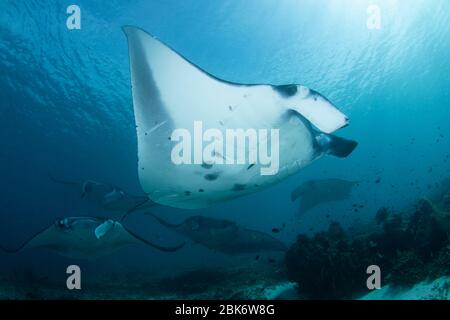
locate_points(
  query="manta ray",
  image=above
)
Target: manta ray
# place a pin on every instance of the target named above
(223, 235)
(85, 238)
(315, 192)
(169, 92)
(108, 197)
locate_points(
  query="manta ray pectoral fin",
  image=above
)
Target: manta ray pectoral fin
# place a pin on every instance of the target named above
(336, 146)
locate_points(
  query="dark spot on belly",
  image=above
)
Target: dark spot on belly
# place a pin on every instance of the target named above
(212, 176)
(206, 165)
(286, 90)
(238, 187)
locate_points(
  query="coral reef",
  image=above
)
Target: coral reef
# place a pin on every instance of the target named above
(408, 268)
(328, 265)
(408, 249)
(382, 215)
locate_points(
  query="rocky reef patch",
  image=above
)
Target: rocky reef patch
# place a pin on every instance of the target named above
(409, 248)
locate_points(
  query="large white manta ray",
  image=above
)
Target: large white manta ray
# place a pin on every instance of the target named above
(170, 92)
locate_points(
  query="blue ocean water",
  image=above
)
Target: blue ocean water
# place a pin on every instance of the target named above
(66, 109)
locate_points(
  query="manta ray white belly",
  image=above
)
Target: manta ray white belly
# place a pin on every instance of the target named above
(170, 93)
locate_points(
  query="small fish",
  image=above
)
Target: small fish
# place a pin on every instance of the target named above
(275, 230)
(378, 181)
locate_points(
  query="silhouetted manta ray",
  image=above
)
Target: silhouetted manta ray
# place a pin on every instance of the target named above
(315, 192)
(170, 93)
(85, 237)
(224, 235)
(108, 197)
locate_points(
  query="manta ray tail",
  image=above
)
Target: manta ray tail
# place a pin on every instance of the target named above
(70, 183)
(336, 146)
(163, 222)
(136, 207)
(23, 245)
(15, 250)
(156, 246)
(10, 250)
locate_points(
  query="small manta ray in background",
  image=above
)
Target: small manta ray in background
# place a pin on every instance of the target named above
(315, 192)
(86, 238)
(223, 235)
(109, 197)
